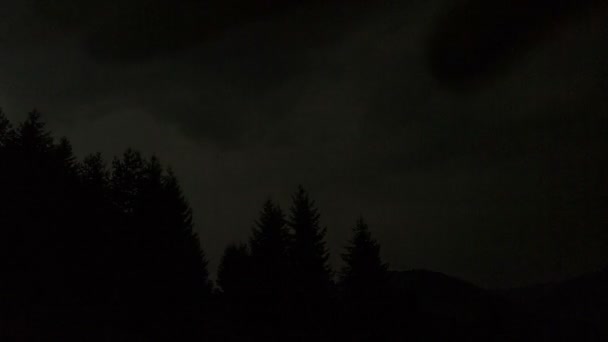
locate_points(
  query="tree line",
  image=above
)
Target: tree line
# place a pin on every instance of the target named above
(109, 252)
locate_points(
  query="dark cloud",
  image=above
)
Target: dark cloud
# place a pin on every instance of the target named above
(475, 39)
(119, 31)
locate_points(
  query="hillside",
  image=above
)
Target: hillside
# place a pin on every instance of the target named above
(436, 306)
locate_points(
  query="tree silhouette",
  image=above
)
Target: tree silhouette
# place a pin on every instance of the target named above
(165, 270)
(129, 267)
(270, 272)
(310, 273)
(269, 251)
(31, 135)
(191, 261)
(113, 251)
(308, 253)
(234, 271)
(94, 175)
(64, 154)
(126, 180)
(43, 236)
(6, 129)
(363, 273)
(9, 233)
(182, 260)
(37, 202)
(363, 281)
(104, 234)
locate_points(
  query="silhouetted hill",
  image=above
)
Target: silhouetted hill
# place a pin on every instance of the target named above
(435, 306)
(438, 293)
(440, 307)
(575, 309)
(427, 282)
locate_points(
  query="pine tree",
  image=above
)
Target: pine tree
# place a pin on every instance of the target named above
(6, 129)
(270, 299)
(164, 266)
(309, 255)
(126, 180)
(310, 273)
(234, 271)
(6, 161)
(192, 263)
(94, 174)
(103, 230)
(32, 136)
(363, 273)
(269, 251)
(38, 216)
(183, 286)
(32, 164)
(10, 236)
(128, 260)
(64, 155)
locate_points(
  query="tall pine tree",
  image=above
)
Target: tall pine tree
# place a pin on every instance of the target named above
(311, 275)
(164, 268)
(362, 279)
(40, 233)
(309, 255)
(269, 251)
(190, 261)
(363, 272)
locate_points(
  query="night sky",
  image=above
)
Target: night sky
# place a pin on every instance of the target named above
(472, 137)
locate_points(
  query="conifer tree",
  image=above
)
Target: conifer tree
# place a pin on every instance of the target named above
(64, 155)
(363, 272)
(269, 250)
(37, 214)
(309, 255)
(32, 136)
(191, 262)
(182, 280)
(167, 273)
(6, 135)
(94, 174)
(104, 231)
(6, 129)
(310, 273)
(129, 267)
(234, 271)
(126, 180)
(8, 233)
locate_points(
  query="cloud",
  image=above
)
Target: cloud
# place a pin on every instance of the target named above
(119, 32)
(476, 39)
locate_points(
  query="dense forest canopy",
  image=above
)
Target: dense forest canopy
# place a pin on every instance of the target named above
(113, 246)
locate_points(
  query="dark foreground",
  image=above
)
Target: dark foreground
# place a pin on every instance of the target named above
(417, 306)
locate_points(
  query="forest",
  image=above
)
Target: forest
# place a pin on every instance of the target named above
(97, 250)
